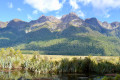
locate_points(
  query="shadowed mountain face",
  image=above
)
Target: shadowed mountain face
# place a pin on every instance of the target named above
(17, 24)
(95, 24)
(68, 35)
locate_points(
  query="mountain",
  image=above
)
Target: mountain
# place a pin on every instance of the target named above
(50, 22)
(3, 24)
(69, 35)
(106, 25)
(17, 24)
(44, 19)
(70, 19)
(96, 25)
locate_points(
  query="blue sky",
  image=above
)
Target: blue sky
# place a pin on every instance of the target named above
(26, 10)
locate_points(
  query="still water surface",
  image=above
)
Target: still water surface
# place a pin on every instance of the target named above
(25, 75)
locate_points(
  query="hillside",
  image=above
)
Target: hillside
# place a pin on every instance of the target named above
(69, 35)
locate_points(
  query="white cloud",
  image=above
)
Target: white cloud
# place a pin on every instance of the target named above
(85, 1)
(45, 5)
(35, 12)
(102, 4)
(58, 16)
(76, 7)
(10, 5)
(80, 14)
(29, 17)
(19, 9)
(107, 15)
(74, 4)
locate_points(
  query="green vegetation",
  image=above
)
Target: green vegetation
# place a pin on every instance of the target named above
(82, 44)
(10, 58)
(76, 65)
(107, 78)
(71, 41)
(117, 77)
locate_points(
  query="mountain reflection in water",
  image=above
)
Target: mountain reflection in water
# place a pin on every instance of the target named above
(25, 75)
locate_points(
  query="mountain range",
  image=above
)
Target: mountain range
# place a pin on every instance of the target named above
(69, 35)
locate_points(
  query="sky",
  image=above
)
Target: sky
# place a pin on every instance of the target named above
(26, 10)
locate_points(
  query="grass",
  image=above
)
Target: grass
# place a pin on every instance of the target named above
(55, 57)
(73, 64)
(60, 57)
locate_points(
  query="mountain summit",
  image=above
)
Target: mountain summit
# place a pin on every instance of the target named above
(69, 17)
(17, 24)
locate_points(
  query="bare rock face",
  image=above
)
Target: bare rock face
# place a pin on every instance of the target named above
(53, 19)
(3, 24)
(70, 19)
(106, 25)
(71, 16)
(115, 25)
(40, 20)
(110, 26)
(44, 19)
(76, 23)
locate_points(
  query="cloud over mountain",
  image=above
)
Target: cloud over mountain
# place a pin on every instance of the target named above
(45, 5)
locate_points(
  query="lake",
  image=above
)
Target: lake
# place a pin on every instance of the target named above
(25, 75)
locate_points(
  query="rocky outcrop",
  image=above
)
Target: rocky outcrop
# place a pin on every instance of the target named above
(3, 24)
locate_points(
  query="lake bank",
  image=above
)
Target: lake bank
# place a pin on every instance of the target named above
(11, 59)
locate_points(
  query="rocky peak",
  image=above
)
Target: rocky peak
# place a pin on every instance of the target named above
(53, 19)
(72, 13)
(106, 25)
(44, 19)
(3, 24)
(93, 21)
(105, 22)
(47, 18)
(17, 23)
(15, 20)
(115, 24)
(95, 24)
(69, 17)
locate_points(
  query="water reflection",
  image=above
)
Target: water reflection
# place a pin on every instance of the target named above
(25, 75)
